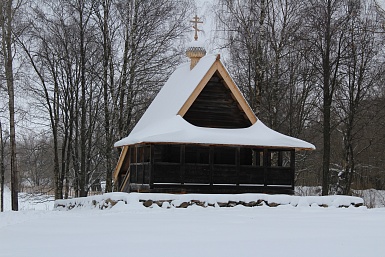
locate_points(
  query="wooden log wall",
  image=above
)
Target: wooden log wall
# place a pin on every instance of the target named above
(215, 107)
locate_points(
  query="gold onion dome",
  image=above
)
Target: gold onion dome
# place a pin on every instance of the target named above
(195, 52)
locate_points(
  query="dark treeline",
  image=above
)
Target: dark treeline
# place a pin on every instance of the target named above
(311, 69)
(88, 69)
(315, 70)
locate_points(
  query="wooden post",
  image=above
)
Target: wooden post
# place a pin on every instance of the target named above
(238, 163)
(141, 160)
(256, 157)
(182, 163)
(152, 163)
(130, 162)
(280, 158)
(136, 164)
(292, 167)
(266, 161)
(211, 160)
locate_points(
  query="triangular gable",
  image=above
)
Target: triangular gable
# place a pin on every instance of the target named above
(217, 69)
(216, 107)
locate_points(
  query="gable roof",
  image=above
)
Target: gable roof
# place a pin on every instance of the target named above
(217, 107)
(217, 66)
(163, 120)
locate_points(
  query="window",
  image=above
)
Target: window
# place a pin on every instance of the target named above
(252, 157)
(279, 158)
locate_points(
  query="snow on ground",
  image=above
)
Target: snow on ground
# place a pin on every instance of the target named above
(29, 201)
(372, 198)
(133, 230)
(206, 200)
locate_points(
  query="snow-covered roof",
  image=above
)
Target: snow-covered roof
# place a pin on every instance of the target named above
(161, 122)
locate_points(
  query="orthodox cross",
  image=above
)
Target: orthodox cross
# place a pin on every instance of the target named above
(196, 21)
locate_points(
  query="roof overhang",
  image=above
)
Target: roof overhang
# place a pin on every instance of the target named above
(178, 131)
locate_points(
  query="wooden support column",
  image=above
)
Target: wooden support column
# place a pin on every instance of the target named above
(127, 177)
(280, 158)
(182, 163)
(129, 162)
(266, 163)
(211, 160)
(152, 164)
(292, 167)
(140, 166)
(238, 163)
(135, 166)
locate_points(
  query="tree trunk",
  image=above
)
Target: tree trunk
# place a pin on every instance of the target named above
(6, 26)
(55, 123)
(106, 69)
(83, 107)
(2, 169)
(327, 101)
(326, 109)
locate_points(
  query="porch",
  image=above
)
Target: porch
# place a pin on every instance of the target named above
(207, 169)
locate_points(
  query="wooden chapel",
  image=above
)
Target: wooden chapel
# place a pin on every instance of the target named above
(199, 135)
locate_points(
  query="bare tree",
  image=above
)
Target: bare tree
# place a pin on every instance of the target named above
(2, 169)
(7, 14)
(244, 32)
(361, 69)
(103, 13)
(148, 46)
(263, 41)
(268, 62)
(36, 48)
(89, 59)
(288, 86)
(325, 27)
(310, 69)
(35, 161)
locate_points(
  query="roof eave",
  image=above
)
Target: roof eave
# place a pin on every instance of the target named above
(224, 144)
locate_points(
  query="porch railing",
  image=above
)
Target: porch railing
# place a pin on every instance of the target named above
(163, 174)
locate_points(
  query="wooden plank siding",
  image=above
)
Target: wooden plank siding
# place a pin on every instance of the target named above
(219, 173)
(216, 107)
(218, 70)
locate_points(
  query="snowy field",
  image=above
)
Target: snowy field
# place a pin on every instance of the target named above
(133, 230)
